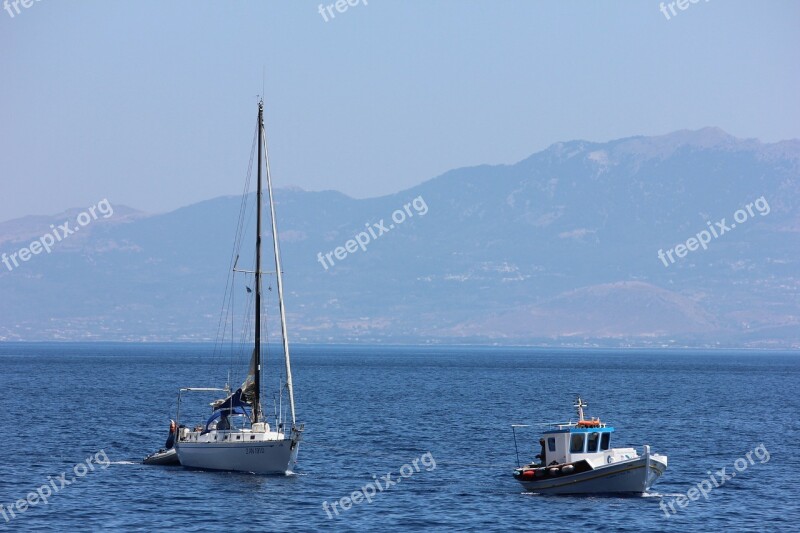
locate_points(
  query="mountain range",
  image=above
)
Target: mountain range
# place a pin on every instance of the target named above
(581, 244)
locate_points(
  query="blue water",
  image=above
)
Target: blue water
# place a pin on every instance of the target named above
(370, 410)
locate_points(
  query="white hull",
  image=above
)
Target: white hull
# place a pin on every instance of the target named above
(632, 476)
(259, 457)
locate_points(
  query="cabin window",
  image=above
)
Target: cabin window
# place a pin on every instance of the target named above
(551, 444)
(576, 445)
(604, 441)
(594, 440)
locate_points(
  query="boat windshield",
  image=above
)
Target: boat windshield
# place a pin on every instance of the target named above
(576, 445)
(225, 419)
(591, 445)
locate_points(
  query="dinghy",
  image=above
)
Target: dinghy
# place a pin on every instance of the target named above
(163, 457)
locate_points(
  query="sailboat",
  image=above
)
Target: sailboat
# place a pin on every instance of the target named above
(237, 436)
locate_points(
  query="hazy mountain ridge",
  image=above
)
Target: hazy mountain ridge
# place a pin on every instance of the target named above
(560, 248)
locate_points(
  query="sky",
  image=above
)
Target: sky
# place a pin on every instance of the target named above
(152, 104)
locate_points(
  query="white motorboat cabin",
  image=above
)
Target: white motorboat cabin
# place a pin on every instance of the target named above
(588, 440)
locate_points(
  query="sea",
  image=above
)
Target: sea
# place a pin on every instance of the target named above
(401, 438)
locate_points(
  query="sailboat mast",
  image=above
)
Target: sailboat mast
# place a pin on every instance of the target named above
(257, 353)
(279, 275)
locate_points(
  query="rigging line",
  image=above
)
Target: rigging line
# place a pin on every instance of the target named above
(237, 349)
(244, 221)
(278, 276)
(232, 313)
(269, 302)
(242, 207)
(246, 217)
(244, 335)
(227, 314)
(246, 327)
(280, 373)
(229, 317)
(245, 351)
(227, 311)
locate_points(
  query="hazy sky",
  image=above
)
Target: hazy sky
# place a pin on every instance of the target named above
(152, 103)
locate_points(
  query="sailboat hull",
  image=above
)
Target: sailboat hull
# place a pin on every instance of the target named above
(266, 457)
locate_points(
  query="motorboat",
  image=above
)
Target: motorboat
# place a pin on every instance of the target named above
(577, 458)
